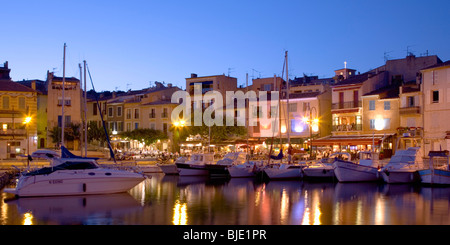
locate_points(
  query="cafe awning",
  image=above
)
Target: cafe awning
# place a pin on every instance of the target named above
(350, 139)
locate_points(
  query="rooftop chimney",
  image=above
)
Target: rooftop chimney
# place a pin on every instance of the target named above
(193, 75)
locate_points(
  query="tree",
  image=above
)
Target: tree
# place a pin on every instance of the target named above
(147, 135)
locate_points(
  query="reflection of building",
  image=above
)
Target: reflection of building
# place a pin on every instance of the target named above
(16, 103)
(436, 114)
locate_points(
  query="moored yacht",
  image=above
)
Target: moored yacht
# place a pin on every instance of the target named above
(366, 169)
(196, 164)
(403, 166)
(74, 176)
(324, 167)
(230, 159)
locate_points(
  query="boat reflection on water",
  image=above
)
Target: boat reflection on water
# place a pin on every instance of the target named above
(77, 210)
(202, 200)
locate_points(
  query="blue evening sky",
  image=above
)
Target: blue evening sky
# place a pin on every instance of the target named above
(129, 44)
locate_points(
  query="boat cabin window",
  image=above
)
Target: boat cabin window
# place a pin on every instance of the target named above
(77, 165)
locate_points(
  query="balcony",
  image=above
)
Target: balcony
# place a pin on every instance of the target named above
(13, 132)
(347, 127)
(410, 110)
(346, 105)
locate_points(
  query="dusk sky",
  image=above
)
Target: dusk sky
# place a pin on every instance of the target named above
(130, 44)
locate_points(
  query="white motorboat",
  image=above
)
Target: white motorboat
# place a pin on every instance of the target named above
(196, 164)
(170, 169)
(74, 176)
(324, 167)
(438, 172)
(230, 159)
(284, 171)
(366, 169)
(403, 166)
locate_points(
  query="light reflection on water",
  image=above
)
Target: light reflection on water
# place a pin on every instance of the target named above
(167, 200)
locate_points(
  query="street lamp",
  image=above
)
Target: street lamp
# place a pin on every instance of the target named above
(26, 122)
(313, 126)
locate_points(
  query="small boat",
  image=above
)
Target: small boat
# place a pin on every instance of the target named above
(403, 166)
(74, 176)
(196, 164)
(366, 169)
(230, 159)
(324, 167)
(284, 171)
(247, 169)
(439, 169)
(170, 169)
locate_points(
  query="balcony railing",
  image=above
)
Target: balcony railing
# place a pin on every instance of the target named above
(410, 110)
(346, 105)
(11, 132)
(347, 127)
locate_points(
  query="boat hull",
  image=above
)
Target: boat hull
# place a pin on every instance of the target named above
(170, 169)
(288, 173)
(350, 172)
(79, 182)
(319, 173)
(241, 171)
(217, 170)
(191, 169)
(400, 176)
(435, 176)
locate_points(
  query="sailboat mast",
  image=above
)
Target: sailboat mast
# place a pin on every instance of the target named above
(81, 111)
(85, 111)
(246, 123)
(63, 102)
(287, 109)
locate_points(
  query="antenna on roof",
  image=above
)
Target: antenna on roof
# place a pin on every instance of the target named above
(128, 84)
(229, 71)
(386, 56)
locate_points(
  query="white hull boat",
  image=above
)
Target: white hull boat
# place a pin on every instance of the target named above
(365, 170)
(196, 165)
(403, 166)
(75, 177)
(439, 171)
(248, 169)
(284, 171)
(323, 169)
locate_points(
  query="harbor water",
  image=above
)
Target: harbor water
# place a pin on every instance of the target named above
(175, 200)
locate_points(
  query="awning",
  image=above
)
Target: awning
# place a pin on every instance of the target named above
(350, 140)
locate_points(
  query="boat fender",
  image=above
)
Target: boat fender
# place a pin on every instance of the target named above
(84, 187)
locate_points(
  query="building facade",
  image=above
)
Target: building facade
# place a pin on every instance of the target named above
(18, 116)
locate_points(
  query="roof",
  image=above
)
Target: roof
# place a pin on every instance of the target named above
(40, 85)
(67, 79)
(385, 92)
(13, 86)
(447, 63)
(360, 78)
(161, 102)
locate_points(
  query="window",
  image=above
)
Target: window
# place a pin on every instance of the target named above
(165, 128)
(292, 107)
(119, 111)
(22, 103)
(152, 126)
(94, 109)
(410, 101)
(267, 87)
(372, 123)
(110, 112)
(435, 96)
(152, 113)
(372, 105)
(136, 113)
(305, 106)
(5, 102)
(128, 113)
(165, 114)
(128, 126)
(136, 125)
(387, 105)
(120, 126)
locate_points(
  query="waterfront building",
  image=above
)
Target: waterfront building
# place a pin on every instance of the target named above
(18, 115)
(72, 109)
(436, 104)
